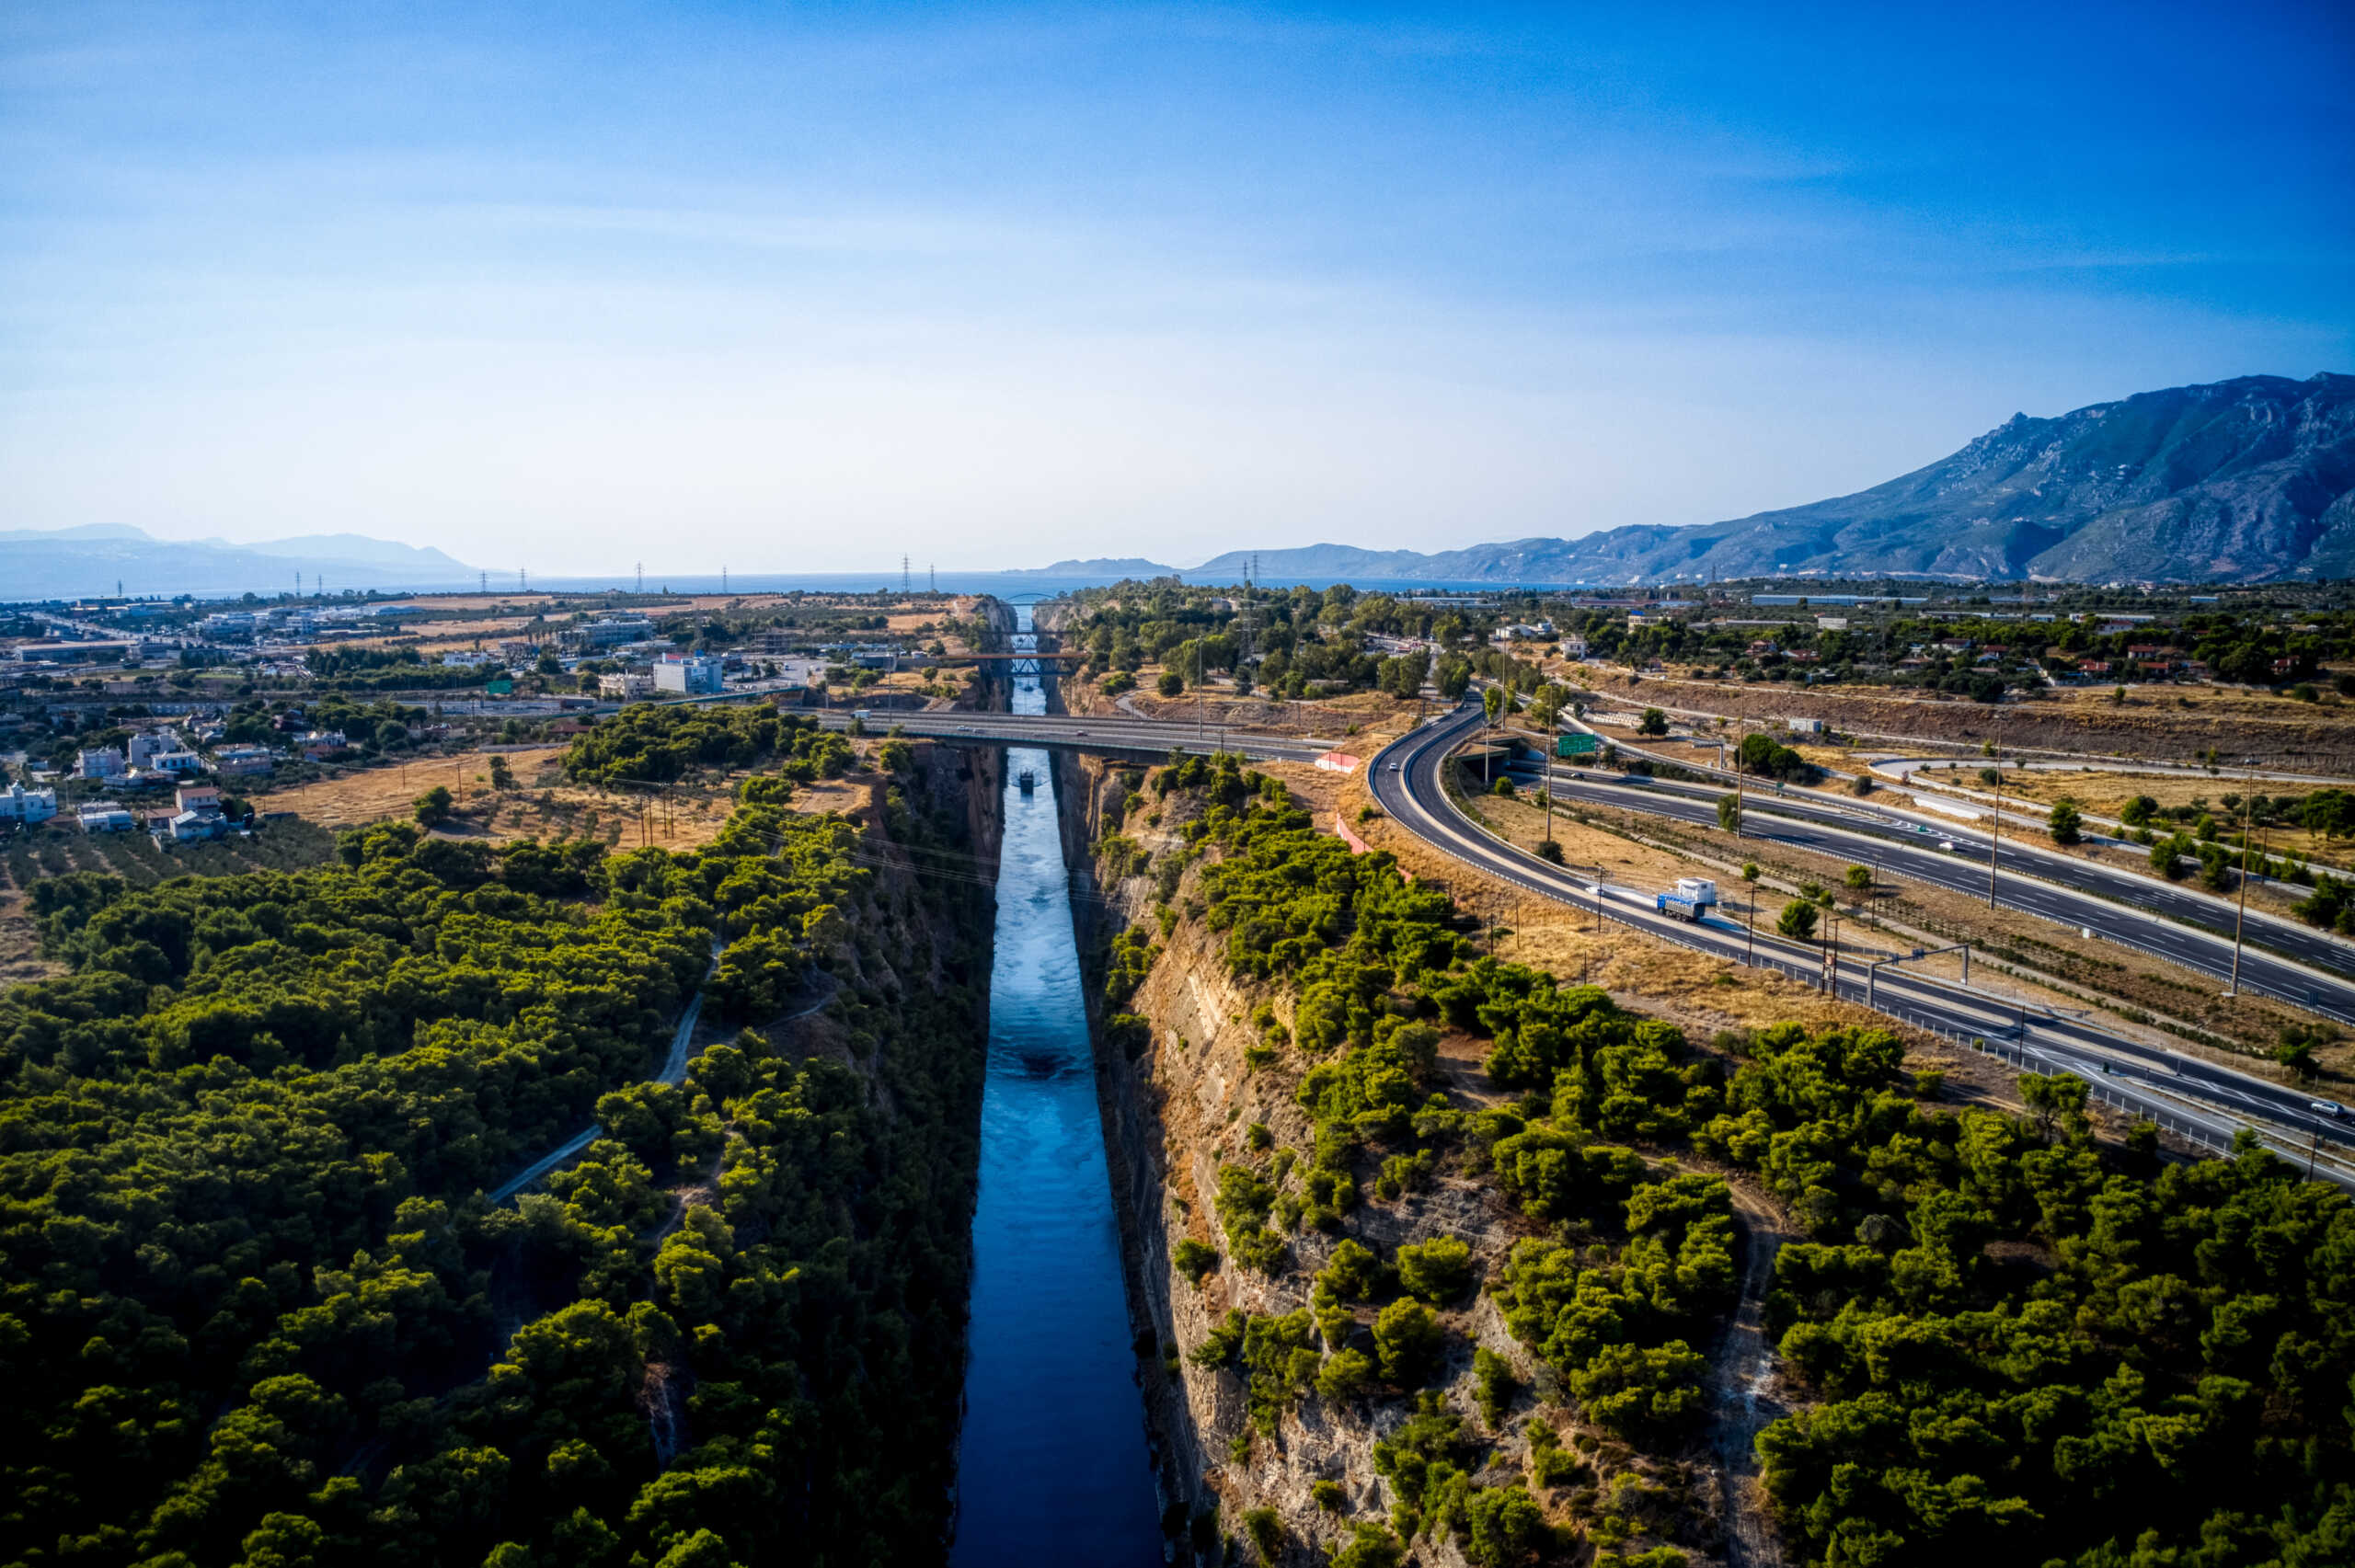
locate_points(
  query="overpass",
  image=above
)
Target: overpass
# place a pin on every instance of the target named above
(2187, 1095)
(1120, 736)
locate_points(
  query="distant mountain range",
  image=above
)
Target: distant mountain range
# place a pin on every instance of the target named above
(75, 562)
(2251, 480)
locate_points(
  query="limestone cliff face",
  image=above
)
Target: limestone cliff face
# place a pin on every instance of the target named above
(1176, 1107)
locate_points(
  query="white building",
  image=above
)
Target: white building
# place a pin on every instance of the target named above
(107, 816)
(238, 760)
(686, 673)
(179, 764)
(609, 630)
(190, 825)
(28, 806)
(106, 762)
(150, 744)
(625, 686)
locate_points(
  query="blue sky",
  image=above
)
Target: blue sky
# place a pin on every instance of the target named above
(570, 285)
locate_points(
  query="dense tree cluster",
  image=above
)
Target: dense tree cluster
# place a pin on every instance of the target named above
(2019, 1347)
(657, 743)
(255, 1308)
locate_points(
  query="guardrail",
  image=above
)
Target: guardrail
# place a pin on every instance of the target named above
(2018, 1052)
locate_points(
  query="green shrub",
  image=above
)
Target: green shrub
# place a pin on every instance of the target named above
(1437, 1271)
(1194, 1259)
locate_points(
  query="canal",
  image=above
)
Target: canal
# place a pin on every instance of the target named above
(1052, 1467)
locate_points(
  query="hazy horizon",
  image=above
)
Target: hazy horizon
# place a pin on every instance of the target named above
(804, 293)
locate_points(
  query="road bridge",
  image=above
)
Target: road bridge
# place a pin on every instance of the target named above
(1124, 737)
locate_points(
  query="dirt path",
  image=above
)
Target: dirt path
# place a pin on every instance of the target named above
(1741, 1392)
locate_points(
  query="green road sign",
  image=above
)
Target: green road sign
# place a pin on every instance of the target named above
(1575, 745)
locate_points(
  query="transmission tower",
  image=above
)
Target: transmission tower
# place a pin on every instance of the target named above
(723, 579)
(522, 581)
(932, 580)
(482, 582)
(641, 577)
(906, 582)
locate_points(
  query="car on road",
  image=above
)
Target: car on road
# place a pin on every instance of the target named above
(1946, 846)
(2330, 1108)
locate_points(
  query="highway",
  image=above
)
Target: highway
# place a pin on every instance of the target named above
(2182, 1092)
(2293, 965)
(2191, 1097)
(2278, 959)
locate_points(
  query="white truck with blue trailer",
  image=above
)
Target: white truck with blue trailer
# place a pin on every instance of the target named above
(1691, 898)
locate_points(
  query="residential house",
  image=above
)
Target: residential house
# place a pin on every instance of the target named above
(190, 826)
(28, 806)
(628, 686)
(321, 743)
(179, 764)
(240, 761)
(107, 816)
(150, 744)
(199, 797)
(106, 762)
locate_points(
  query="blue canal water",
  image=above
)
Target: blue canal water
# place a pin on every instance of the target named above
(1052, 1467)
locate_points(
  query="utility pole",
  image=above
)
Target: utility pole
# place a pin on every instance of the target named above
(2240, 911)
(1738, 738)
(1995, 840)
(1199, 726)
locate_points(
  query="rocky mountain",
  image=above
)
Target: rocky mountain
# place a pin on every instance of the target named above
(2249, 480)
(73, 562)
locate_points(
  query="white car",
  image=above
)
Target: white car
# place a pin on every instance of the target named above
(1946, 846)
(2330, 1108)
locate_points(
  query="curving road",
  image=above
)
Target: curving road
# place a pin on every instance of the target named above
(2195, 1098)
(2182, 1092)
